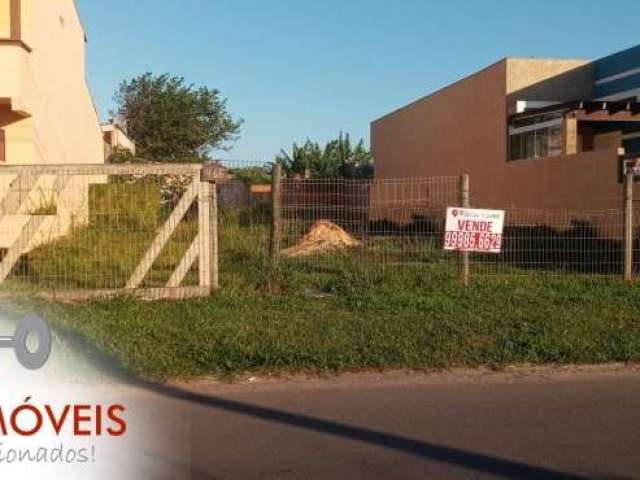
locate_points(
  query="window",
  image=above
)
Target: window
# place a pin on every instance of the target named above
(531, 144)
(535, 139)
(515, 147)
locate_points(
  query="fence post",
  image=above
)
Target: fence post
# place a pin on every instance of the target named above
(276, 215)
(628, 226)
(208, 230)
(464, 268)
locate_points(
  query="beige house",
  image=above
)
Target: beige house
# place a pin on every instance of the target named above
(47, 117)
(116, 140)
(46, 111)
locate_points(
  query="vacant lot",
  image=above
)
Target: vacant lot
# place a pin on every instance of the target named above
(395, 303)
(336, 321)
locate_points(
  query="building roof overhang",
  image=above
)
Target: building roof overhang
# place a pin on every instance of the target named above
(8, 103)
(589, 110)
(15, 43)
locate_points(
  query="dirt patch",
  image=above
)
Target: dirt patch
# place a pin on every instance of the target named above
(323, 236)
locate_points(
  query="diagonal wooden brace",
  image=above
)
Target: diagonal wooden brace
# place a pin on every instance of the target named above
(17, 193)
(185, 264)
(164, 235)
(29, 230)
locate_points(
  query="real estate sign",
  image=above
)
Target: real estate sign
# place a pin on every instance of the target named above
(474, 230)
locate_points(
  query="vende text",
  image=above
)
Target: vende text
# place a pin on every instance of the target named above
(474, 230)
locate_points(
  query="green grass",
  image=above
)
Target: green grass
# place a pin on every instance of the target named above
(103, 253)
(340, 312)
(414, 318)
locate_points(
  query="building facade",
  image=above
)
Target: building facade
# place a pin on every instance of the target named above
(617, 77)
(47, 115)
(116, 140)
(533, 133)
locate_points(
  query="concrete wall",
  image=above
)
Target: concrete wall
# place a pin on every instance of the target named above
(52, 118)
(586, 180)
(548, 80)
(459, 129)
(463, 129)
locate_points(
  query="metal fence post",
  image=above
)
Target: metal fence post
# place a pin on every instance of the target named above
(464, 268)
(208, 231)
(628, 226)
(276, 215)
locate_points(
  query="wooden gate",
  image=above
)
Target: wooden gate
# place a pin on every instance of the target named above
(21, 230)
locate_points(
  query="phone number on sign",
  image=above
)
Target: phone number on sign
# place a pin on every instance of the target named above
(472, 241)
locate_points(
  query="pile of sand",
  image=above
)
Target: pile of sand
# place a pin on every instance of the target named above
(323, 236)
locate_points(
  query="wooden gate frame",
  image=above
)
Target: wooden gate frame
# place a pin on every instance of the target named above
(204, 247)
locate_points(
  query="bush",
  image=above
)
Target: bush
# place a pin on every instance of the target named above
(253, 175)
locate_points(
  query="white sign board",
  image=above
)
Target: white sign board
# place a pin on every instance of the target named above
(474, 230)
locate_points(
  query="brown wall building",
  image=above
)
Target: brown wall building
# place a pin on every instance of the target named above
(532, 133)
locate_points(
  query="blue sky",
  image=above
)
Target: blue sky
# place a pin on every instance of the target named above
(294, 69)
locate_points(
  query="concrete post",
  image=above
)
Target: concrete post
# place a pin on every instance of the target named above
(208, 230)
(628, 226)
(464, 267)
(276, 216)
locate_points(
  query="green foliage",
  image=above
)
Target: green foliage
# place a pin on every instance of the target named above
(173, 121)
(123, 156)
(339, 158)
(253, 175)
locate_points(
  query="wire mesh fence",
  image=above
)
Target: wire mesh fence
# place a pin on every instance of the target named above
(390, 224)
(98, 228)
(165, 228)
(557, 242)
(373, 222)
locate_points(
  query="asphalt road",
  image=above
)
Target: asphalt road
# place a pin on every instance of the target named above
(521, 424)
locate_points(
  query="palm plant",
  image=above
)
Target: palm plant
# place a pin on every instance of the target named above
(338, 159)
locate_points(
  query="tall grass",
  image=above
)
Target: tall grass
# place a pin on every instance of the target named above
(103, 253)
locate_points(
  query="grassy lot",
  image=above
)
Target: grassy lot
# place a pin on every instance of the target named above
(104, 252)
(416, 318)
(339, 313)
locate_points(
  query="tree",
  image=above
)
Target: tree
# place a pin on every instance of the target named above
(172, 121)
(338, 159)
